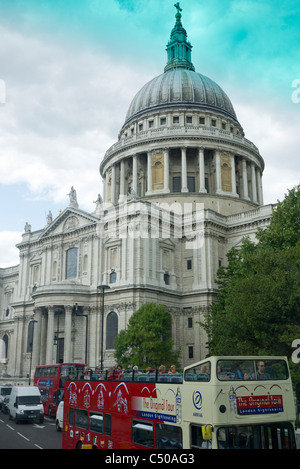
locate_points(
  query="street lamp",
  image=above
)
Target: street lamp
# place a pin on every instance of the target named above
(102, 287)
(86, 329)
(31, 346)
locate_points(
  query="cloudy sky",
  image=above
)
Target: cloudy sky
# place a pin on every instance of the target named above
(70, 68)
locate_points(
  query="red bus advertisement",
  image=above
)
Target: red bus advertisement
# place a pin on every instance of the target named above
(220, 402)
(50, 380)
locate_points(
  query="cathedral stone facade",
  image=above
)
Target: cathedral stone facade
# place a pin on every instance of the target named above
(181, 186)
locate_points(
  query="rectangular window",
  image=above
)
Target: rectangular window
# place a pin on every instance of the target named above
(189, 119)
(71, 419)
(142, 433)
(176, 120)
(107, 424)
(213, 122)
(191, 352)
(189, 264)
(202, 120)
(163, 121)
(191, 184)
(96, 422)
(264, 436)
(197, 441)
(177, 184)
(168, 436)
(150, 124)
(190, 323)
(71, 263)
(81, 418)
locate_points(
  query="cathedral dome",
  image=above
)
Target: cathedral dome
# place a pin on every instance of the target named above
(180, 86)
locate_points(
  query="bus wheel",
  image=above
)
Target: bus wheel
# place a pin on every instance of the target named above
(79, 445)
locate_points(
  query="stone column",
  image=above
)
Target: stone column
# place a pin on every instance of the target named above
(259, 187)
(134, 174)
(149, 173)
(68, 334)
(166, 170)
(218, 172)
(104, 184)
(245, 179)
(253, 183)
(184, 187)
(201, 170)
(36, 346)
(122, 181)
(50, 336)
(113, 185)
(233, 179)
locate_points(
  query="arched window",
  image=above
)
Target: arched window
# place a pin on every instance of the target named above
(4, 351)
(71, 263)
(113, 277)
(111, 329)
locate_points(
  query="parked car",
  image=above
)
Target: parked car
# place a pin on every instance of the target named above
(59, 416)
(4, 391)
(4, 405)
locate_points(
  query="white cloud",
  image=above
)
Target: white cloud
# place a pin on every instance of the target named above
(9, 254)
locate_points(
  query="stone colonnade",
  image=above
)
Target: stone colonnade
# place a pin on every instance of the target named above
(216, 172)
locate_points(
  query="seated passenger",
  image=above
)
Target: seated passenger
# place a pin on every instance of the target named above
(260, 373)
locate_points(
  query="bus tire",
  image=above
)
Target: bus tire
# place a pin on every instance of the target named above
(79, 445)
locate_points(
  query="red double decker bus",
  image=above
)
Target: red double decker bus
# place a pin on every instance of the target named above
(220, 402)
(50, 379)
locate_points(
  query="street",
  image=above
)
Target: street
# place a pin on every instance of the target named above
(29, 435)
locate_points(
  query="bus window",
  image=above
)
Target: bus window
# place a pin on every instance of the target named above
(168, 436)
(267, 436)
(248, 369)
(198, 373)
(71, 420)
(142, 433)
(107, 424)
(96, 422)
(81, 418)
(197, 441)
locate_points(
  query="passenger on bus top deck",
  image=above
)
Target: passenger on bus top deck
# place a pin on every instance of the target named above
(172, 369)
(161, 370)
(86, 373)
(206, 368)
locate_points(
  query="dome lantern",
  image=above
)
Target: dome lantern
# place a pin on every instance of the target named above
(179, 48)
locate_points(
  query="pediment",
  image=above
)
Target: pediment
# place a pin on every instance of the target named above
(69, 220)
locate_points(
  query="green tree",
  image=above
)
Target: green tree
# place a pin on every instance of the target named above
(147, 340)
(257, 310)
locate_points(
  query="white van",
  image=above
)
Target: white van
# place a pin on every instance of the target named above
(25, 403)
(59, 416)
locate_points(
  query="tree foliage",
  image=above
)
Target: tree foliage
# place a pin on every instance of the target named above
(257, 310)
(147, 340)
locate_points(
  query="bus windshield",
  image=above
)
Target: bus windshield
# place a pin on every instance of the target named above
(250, 369)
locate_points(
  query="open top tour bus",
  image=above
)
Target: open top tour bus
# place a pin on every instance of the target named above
(220, 402)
